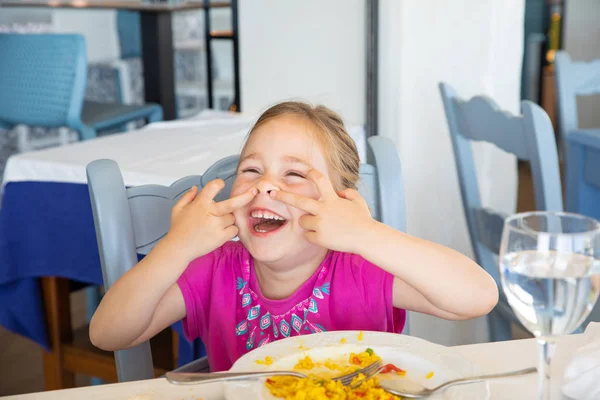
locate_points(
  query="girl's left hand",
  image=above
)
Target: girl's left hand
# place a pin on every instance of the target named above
(337, 220)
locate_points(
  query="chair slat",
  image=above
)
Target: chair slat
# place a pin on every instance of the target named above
(480, 119)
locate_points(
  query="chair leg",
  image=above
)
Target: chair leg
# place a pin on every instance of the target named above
(499, 327)
(23, 144)
(92, 300)
(156, 116)
(175, 347)
(86, 133)
(58, 318)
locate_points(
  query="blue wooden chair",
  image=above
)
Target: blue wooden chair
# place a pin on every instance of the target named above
(131, 221)
(582, 146)
(42, 83)
(528, 136)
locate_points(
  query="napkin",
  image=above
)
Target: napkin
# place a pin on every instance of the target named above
(582, 375)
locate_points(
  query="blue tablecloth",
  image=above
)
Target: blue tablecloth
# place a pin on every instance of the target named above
(47, 229)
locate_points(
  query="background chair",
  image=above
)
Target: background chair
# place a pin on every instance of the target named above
(528, 136)
(131, 221)
(581, 146)
(42, 81)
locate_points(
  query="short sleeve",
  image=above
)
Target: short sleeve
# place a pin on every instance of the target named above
(367, 295)
(196, 284)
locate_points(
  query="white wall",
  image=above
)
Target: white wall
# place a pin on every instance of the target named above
(582, 34)
(475, 46)
(97, 26)
(309, 49)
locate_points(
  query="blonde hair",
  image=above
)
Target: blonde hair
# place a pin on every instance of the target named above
(338, 146)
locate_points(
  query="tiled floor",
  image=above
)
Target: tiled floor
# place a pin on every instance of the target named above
(21, 360)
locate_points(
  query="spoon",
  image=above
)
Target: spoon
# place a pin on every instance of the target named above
(413, 390)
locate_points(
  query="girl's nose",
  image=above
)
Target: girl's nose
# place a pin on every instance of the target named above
(265, 186)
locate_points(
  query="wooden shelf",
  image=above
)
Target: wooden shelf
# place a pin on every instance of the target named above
(221, 34)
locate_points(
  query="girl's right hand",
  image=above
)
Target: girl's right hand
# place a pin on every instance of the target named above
(199, 225)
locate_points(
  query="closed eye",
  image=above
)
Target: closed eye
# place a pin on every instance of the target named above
(250, 170)
(296, 174)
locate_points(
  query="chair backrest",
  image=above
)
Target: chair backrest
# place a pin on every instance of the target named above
(130, 38)
(573, 79)
(528, 136)
(42, 79)
(131, 221)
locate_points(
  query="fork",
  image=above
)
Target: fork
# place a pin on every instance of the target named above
(190, 378)
(411, 390)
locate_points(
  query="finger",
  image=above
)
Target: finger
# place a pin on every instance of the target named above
(230, 232)
(227, 220)
(303, 203)
(308, 222)
(312, 237)
(211, 190)
(229, 205)
(186, 199)
(323, 184)
(353, 195)
(349, 194)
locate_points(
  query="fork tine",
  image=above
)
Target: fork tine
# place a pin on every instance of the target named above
(367, 371)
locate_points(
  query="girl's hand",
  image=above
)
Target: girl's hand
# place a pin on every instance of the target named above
(337, 220)
(199, 225)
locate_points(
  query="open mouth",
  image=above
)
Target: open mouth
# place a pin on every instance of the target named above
(265, 222)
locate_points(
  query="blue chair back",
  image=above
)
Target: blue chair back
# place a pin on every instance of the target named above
(42, 79)
(581, 146)
(528, 136)
(128, 29)
(573, 79)
(131, 221)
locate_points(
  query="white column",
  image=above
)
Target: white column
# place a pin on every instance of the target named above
(475, 46)
(311, 49)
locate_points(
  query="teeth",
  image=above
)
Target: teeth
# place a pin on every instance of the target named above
(266, 215)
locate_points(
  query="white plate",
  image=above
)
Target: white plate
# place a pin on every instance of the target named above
(417, 356)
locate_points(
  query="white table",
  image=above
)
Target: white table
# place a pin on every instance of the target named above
(160, 153)
(491, 357)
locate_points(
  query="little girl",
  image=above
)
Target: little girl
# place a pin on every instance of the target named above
(310, 258)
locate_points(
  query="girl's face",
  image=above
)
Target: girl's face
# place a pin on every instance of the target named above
(277, 156)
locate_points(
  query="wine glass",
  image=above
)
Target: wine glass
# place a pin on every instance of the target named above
(550, 273)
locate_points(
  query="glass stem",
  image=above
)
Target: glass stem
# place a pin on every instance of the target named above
(546, 352)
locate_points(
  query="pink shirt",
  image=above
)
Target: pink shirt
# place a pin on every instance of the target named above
(227, 310)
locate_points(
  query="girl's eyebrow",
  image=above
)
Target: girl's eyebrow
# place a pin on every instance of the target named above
(253, 156)
(288, 159)
(295, 160)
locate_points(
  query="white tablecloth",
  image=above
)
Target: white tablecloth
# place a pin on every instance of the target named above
(160, 153)
(491, 357)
